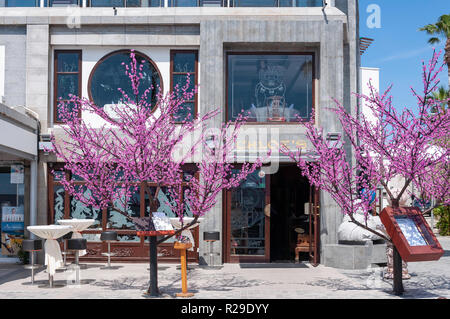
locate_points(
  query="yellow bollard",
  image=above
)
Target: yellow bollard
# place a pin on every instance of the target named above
(183, 247)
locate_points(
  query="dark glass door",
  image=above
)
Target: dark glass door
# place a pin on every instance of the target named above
(247, 227)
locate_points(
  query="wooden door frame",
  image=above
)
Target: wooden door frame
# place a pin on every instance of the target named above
(226, 230)
(314, 226)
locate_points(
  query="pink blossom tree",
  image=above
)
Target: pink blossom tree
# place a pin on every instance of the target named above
(137, 142)
(395, 144)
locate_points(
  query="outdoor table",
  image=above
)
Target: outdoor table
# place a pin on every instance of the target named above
(53, 257)
(187, 232)
(78, 226)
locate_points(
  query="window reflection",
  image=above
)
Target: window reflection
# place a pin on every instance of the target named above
(247, 217)
(58, 202)
(197, 3)
(184, 66)
(273, 88)
(78, 210)
(117, 220)
(109, 76)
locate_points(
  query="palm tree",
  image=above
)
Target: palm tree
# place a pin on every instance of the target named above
(440, 29)
(442, 95)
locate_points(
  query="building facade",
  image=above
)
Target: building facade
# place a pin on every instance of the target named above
(277, 59)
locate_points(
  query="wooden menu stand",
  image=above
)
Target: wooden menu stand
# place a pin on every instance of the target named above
(182, 247)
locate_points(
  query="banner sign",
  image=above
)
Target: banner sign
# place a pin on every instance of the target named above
(13, 220)
(17, 174)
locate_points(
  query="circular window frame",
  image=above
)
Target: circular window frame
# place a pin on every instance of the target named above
(138, 53)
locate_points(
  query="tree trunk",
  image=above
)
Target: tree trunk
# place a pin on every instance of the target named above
(397, 264)
(398, 273)
(153, 289)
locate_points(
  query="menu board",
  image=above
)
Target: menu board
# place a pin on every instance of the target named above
(161, 222)
(411, 231)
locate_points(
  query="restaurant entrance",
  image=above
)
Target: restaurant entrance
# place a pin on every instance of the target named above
(289, 194)
(272, 218)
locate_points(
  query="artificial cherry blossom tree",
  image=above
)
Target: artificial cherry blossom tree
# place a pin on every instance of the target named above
(136, 143)
(396, 144)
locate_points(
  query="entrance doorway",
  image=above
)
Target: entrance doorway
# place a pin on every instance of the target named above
(290, 195)
(272, 218)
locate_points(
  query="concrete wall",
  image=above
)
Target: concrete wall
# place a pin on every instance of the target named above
(13, 39)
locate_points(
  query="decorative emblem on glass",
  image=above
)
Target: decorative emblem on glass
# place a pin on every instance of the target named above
(273, 88)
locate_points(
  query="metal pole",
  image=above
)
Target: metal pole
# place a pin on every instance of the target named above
(65, 252)
(32, 267)
(77, 268)
(153, 289)
(109, 254)
(398, 275)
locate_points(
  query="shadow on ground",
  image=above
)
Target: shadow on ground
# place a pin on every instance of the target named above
(170, 284)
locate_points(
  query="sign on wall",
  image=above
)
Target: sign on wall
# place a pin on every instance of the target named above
(12, 220)
(12, 230)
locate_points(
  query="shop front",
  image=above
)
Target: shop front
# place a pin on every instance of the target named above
(18, 170)
(129, 247)
(272, 218)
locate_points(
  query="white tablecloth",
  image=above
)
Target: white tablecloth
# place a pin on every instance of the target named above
(187, 232)
(53, 257)
(78, 226)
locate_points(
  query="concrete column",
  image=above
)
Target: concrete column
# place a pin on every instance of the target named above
(211, 83)
(37, 98)
(37, 71)
(331, 86)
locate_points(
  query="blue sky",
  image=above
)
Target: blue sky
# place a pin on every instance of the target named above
(399, 48)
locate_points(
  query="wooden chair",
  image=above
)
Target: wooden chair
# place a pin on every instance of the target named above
(302, 243)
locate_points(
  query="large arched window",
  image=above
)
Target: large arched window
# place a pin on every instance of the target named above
(108, 76)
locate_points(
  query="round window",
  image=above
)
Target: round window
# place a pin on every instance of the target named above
(109, 75)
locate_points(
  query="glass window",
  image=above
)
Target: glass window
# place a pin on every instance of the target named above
(196, 3)
(277, 3)
(122, 3)
(155, 3)
(117, 220)
(67, 79)
(247, 217)
(22, 3)
(107, 3)
(109, 75)
(184, 64)
(272, 87)
(12, 209)
(256, 3)
(78, 210)
(58, 202)
(308, 3)
(61, 3)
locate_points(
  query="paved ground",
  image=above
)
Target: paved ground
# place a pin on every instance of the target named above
(272, 281)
